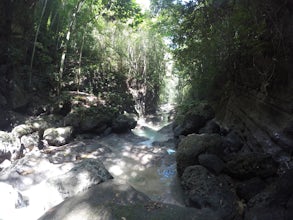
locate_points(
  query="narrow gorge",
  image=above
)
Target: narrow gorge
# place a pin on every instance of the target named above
(155, 109)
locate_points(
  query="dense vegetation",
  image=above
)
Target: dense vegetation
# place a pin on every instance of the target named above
(108, 48)
(117, 52)
(222, 45)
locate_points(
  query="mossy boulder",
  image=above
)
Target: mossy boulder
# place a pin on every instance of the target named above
(195, 144)
(94, 119)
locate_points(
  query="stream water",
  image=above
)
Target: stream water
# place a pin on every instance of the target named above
(145, 159)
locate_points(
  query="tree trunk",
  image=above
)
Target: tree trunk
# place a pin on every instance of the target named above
(78, 76)
(76, 10)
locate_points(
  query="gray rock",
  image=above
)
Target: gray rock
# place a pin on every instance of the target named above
(123, 123)
(212, 162)
(32, 169)
(195, 119)
(193, 145)
(58, 136)
(112, 200)
(205, 190)
(82, 176)
(89, 120)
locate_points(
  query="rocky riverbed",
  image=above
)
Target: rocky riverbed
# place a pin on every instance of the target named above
(142, 162)
(194, 168)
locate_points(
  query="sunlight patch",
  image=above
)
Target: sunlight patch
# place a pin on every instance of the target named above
(116, 170)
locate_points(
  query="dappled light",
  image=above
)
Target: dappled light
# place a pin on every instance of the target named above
(146, 109)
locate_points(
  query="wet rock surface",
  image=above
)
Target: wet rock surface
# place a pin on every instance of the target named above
(235, 177)
(221, 176)
(192, 146)
(113, 200)
(144, 159)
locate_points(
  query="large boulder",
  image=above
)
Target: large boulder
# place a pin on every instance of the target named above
(195, 119)
(89, 120)
(113, 200)
(123, 123)
(205, 190)
(195, 144)
(58, 136)
(246, 166)
(82, 176)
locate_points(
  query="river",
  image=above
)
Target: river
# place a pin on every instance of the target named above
(145, 159)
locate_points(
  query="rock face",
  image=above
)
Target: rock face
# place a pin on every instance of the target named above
(58, 136)
(113, 200)
(263, 120)
(193, 145)
(234, 173)
(204, 190)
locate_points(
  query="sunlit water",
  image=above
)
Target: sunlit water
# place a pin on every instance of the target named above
(144, 158)
(148, 164)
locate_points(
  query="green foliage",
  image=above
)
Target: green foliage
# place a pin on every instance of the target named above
(216, 43)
